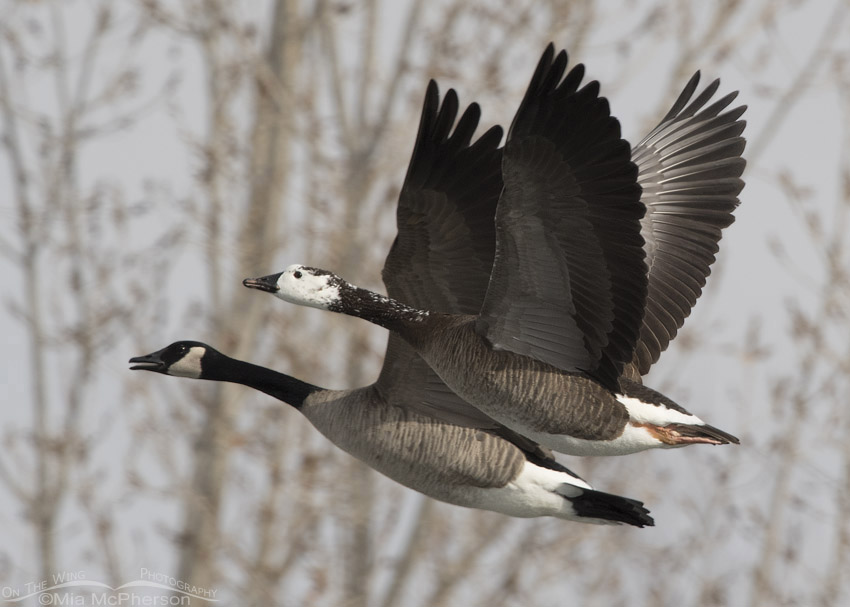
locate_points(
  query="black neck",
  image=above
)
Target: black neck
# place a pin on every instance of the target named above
(279, 385)
(382, 311)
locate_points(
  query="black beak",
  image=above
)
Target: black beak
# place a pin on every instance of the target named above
(264, 283)
(149, 362)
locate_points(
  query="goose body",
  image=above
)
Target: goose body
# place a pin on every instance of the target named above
(597, 254)
(566, 411)
(460, 465)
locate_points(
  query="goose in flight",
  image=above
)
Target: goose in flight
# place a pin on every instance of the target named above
(600, 254)
(408, 425)
(487, 469)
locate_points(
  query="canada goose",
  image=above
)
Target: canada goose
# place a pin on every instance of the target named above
(588, 286)
(408, 424)
(452, 463)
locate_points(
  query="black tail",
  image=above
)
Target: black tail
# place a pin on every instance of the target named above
(610, 507)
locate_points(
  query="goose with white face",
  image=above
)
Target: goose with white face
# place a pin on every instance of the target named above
(301, 285)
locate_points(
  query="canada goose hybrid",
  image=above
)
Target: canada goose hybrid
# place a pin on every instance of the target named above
(600, 254)
(408, 425)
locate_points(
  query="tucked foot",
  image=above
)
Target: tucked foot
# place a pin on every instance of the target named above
(654, 417)
(679, 435)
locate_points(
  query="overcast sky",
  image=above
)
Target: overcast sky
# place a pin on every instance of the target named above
(751, 283)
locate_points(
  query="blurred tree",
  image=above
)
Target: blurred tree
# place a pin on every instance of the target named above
(294, 121)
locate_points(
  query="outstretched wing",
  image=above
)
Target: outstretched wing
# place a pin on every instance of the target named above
(690, 170)
(442, 255)
(569, 280)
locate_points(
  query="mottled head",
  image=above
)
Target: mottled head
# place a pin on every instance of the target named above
(181, 359)
(302, 285)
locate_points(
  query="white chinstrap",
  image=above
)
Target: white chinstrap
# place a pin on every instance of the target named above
(190, 365)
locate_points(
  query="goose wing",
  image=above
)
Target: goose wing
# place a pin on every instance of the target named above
(406, 380)
(441, 257)
(569, 279)
(690, 170)
(443, 253)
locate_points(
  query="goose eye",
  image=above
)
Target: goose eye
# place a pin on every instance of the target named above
(297, 274)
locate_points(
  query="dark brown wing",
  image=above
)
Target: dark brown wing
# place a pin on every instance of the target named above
(690, 170)
(569, 280)
(442, 255)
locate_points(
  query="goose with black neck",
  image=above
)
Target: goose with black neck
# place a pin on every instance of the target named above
(488, 469)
